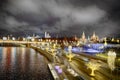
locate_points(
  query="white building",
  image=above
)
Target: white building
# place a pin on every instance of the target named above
(47, 35)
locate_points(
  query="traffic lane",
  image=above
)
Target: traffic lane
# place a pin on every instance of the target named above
(98, 73)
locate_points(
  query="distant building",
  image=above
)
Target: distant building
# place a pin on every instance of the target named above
(4, 38)
(94, 38)
(83, 38)
(47, 35)
(13, 38)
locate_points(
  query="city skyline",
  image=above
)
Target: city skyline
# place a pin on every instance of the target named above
(59, 17)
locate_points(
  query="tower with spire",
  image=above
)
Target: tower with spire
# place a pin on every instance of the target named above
(94, 37)
(83, 38)
(75, 38)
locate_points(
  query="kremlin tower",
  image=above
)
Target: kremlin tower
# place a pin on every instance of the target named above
(94, 38)
(83, 38)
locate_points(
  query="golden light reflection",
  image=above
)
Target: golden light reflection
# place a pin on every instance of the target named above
(4, 55)
(13, 55)
(23, 51)
(8, 58)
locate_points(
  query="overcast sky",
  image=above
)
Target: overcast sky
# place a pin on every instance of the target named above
(63, 17)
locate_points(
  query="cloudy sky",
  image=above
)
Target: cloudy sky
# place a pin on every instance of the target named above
(62, 17)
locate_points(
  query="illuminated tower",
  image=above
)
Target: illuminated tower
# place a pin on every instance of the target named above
(94, 37)
(88, 38)
(83, 36)
(75, 38)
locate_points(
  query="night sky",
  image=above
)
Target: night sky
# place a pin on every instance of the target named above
(61, 17)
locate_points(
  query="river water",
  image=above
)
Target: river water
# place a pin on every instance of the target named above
(18, 63)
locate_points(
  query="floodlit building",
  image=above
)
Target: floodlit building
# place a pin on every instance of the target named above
(83, 38)
(47, 35)
(94, 38)
(4, 38)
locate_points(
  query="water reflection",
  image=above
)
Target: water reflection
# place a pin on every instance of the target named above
(19, 63)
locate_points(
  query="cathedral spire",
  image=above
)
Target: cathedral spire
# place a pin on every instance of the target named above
(83, 35)
(94, 35)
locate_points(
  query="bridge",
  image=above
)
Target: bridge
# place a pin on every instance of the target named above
(18, 42)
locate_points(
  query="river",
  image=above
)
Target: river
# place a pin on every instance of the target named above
(18, 63)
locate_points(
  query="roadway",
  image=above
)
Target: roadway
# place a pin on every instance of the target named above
(102, 73)
(78, 64)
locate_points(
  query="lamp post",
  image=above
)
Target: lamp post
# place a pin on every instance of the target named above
(118, 40)
(70, 55)
(43, 44)
(47, 48)
(105, 43)
(53, 52)
(112, 40)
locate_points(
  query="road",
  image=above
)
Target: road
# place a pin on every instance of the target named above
(102, 73)
(78, 64)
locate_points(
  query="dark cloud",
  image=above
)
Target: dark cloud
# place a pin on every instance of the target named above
(64, 17)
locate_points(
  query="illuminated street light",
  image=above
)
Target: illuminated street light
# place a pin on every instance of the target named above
(56, 41)
(13, 38)
(69, 49)
(43, 43)
(52, 50)
(105, 43)
(53, 54)
(54, 46)
(47, 48)
(118, 41)
(112, 39)
(70, 55)
(33, 39)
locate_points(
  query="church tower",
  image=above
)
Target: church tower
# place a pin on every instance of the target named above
(94, 37)
(83, 36)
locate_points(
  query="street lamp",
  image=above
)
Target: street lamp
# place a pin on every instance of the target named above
(53, 54)
(42, 45)
(112, 40)
(118, 41)
(70, 55)
(105, 43)
(47, 48)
